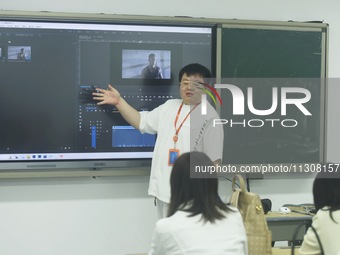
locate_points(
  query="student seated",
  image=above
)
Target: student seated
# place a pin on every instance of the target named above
(198, 221)
(326, 222)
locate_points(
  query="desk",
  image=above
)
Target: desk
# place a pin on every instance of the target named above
(284, 251)
(284, 225)
(276, 251)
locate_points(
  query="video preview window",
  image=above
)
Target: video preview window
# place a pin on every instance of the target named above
(146, 64)
(19, 53)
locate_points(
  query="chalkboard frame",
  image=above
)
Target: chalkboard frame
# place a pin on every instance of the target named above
(300, 27)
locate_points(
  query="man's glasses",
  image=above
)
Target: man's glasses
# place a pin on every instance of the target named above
(194, 85)
(206, 88)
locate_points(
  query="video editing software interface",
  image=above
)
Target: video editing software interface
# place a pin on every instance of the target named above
(50, 69)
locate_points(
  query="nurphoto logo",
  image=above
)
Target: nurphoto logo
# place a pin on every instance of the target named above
(238, 98)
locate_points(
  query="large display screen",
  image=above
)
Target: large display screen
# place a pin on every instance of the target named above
(49, 68)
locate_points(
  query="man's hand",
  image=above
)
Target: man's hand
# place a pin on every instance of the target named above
(107, 96)
(111, 96)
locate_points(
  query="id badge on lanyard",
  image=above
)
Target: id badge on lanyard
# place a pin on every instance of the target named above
(174, 153)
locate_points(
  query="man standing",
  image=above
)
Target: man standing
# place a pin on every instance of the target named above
(179, 125)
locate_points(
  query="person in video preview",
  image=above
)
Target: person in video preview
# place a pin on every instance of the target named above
(152, 71)
(199, 222)
(326, 222)
(179, 125)
(21, 55)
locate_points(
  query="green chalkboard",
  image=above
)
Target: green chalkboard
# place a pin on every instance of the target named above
(263, 59)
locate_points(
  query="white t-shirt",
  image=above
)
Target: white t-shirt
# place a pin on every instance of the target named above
(328, 232)
(197, 133)
(179, 234)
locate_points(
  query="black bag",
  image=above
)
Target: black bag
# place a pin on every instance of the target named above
(266, 205)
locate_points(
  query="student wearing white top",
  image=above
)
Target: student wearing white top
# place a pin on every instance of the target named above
(176, 118)
(326, 222)
(199, 222)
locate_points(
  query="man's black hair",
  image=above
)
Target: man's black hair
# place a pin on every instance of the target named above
(195, 69)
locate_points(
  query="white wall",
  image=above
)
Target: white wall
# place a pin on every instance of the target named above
(113, 215)
(75, 216)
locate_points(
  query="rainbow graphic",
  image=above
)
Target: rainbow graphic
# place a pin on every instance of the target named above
(211, 91)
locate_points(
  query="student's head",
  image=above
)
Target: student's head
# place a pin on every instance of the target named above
(326, 190)
(195, 195)
(188, 75)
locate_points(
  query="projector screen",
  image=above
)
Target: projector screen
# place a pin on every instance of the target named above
(49, 68)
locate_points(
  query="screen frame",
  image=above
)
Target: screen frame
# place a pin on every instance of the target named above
(87, 166)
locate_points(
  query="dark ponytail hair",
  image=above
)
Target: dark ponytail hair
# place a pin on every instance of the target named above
(195, 195)
(326, 190)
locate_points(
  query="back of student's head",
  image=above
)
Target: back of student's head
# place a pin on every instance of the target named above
(326, 190)
(195, 195)
(195, 69)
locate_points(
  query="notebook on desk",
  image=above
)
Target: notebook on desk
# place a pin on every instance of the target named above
(308, 209)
